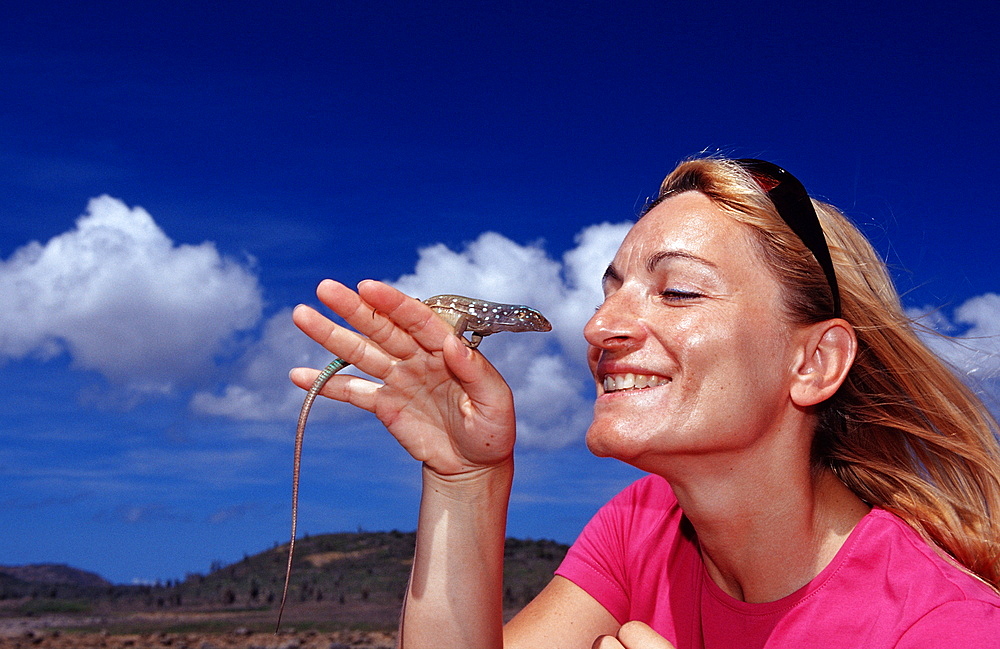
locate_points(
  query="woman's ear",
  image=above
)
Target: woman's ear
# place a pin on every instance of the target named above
(827, 353)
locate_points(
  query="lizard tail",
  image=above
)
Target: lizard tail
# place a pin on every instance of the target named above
(300, 431)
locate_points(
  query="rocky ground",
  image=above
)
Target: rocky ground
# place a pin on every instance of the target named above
(236, 639)
(178, 631)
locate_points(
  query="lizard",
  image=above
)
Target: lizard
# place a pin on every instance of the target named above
(480, 318)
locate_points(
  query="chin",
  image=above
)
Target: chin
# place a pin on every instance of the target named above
(615, 441)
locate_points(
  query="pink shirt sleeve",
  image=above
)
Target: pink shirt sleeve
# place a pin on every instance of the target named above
(623, 555)
(596, 561)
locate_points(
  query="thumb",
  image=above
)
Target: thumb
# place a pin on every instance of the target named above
(463, 362)
(478, 376)
(484, 386)
(638, 635)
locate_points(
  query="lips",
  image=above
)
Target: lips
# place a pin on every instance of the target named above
(632, 381)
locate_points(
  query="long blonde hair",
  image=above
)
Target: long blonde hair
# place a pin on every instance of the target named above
(903, 432)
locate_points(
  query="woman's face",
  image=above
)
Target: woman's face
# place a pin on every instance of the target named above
(689, 350)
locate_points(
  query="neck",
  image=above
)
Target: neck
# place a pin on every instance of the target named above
(766, 527)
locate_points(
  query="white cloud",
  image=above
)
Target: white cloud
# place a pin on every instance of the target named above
(970, 344)
(262, 391)
(973, 347)
(547, 372)
(122, 299)
(583, 268)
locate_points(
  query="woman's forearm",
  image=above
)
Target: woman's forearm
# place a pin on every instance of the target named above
(455, 595)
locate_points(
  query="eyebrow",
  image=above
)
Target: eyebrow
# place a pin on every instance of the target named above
(654, 261)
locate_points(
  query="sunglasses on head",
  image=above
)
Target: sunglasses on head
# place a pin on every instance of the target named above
(794, 207)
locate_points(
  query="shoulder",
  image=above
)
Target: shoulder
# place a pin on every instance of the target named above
(648, 491)
(962, 623)
(913, 567)
(645, 504)
(888, 588)
(929, 599)
(638, 515)
(633, 537)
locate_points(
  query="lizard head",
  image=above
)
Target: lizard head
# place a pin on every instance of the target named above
(524, 318)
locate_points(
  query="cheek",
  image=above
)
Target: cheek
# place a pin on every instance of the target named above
(741, 361)
(758, 367)
(696, 346)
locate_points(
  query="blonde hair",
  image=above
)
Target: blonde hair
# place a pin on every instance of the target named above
(903, 432)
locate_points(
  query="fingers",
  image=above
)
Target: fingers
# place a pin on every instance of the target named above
(606, 642)
(633, 635)
(409, 314)
(342, 387)
(442, 401)
(396, 322)
(392, 325)
(364, 318)
(341, 342)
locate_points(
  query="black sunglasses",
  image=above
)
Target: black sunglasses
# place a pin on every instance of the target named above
(794, 207)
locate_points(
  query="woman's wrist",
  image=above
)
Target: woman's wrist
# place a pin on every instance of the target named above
(473, 485)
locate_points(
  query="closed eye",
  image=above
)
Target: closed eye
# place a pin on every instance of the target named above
(672, 295)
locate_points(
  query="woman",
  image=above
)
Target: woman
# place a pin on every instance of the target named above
(817, 476)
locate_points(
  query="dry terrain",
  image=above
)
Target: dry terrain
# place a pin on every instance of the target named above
(346, 593)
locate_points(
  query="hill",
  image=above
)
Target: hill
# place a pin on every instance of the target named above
(48, 579)
(353, 580)
(364, 570)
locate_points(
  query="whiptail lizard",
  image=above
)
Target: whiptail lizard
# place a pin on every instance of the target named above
(478, 317)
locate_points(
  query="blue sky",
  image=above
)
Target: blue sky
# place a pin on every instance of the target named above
(175, 177)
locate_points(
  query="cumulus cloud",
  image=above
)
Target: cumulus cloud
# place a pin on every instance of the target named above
(972, 341)
(262, 391)
(547, 372)
(121, 298)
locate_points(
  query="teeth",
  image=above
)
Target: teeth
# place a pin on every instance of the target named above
(616, 382)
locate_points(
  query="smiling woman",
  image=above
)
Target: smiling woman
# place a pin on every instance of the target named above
(815, 472)
(686, 305)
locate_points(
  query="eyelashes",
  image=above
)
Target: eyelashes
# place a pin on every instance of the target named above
(674, 295)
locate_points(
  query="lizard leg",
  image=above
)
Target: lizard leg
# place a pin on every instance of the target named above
(459, 322)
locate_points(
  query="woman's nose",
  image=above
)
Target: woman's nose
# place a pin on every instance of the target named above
(615, 326)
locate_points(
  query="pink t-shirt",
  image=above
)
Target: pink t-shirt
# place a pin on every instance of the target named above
(639, 558)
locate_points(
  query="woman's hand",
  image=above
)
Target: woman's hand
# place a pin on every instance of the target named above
(444, 403)
(633, 635)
